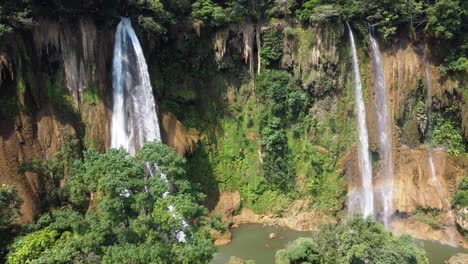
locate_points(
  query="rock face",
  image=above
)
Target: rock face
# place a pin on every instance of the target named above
(413, 180)
(63, 69)
(177, 136)
(298, 217)
(461, 217)
(459, 258)
(221, 238)
(421, 230)
(227, 205)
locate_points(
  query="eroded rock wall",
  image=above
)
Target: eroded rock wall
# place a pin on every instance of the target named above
(58, 74)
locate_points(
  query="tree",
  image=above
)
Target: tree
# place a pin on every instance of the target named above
(444, 18)
(9, 206)
(121, 212)
(9, 212)
(461, 195)
(353, 240)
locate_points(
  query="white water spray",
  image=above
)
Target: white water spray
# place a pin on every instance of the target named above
(134, 118)
(385, 132)
(367, 195)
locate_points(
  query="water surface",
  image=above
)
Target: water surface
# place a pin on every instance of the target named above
(251, 241)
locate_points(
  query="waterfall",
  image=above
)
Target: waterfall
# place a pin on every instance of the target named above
(435, 181)
(384, 131)
(134, 117)
(367, 195)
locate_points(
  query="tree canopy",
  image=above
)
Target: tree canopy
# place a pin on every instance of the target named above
(353, 240)
(119, 213)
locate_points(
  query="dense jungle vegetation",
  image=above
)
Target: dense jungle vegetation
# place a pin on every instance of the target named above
(112, 211)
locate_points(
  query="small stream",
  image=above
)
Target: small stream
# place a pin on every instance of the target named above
(251, 241)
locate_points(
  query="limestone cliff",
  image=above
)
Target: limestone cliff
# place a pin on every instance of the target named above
(59, 73)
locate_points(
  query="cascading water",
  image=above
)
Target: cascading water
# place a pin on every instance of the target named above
(134, 118)
(366, 197)
(384, 130)
(435, 181)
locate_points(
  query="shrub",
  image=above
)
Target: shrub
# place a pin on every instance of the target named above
(272, 47)
(461, 195)
(353, 240)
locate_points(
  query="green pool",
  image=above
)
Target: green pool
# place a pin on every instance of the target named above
(251, 241)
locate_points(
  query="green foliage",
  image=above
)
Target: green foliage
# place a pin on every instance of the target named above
(120, 212)
(447, 135)
(301, 250)
(207, 11)
(52, 171)
(429, 216)
(272, 47)
(444, 18)
(282, 8)
(91, 95)
(282, 99)
(9, 206)
(62, 100)
(307, 10)
(28, 249)
(353, 240)
(277, 166)
(216, 222)
(15, 14)
(461, 195)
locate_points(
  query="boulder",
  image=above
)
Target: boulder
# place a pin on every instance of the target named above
(461, 217)
(227, 205)
(459, 258)
(221, 238)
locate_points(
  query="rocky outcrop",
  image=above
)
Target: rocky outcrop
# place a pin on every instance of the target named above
(423, 231)
(177, 136)
(59, 74)
(459, 258)
(298, 217)
(461, 218)
(221, 238)
(236, 260)
(227, 206)
(414, 187)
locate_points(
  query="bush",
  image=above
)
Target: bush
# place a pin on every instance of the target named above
(445, 134)
(428, 216)
(272, 47)
(353, 240)
(461, 195)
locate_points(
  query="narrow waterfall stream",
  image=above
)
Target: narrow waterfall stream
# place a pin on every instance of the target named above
(366, 196)
(384, 132)
(134, 117)
(435, 180)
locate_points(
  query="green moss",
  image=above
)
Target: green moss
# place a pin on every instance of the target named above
(431, 217)
(62, 100)
(91, 95)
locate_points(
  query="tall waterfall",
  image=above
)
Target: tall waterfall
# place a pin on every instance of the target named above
(134, 118)
(435, 181)
(384, 131)
(367, 194)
